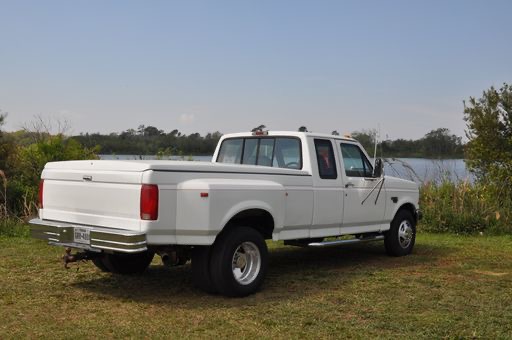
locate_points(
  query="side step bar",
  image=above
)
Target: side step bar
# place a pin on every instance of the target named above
(339, 242)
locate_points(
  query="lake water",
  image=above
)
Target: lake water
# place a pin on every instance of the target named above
(416, 169)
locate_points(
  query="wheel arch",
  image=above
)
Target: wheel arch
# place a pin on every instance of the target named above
(257, 218)
(408, 206)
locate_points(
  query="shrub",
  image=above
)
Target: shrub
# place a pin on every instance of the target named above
(25, 164)
(465, 208)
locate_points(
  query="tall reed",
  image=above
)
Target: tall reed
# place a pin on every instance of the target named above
(464, 207)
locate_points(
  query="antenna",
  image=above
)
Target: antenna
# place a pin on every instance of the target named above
(375, 150)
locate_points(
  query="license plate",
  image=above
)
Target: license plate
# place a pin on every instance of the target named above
(82, 235)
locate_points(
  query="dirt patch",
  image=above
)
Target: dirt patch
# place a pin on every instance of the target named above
(489, 273)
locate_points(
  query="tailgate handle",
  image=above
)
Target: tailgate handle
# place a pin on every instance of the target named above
(87, 178)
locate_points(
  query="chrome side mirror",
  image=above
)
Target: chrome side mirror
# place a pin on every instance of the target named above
(379, 166)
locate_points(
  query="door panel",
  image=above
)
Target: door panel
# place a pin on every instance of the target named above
(328, 212)
(364, 203)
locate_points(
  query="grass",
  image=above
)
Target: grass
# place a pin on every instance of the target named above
(13, 227)
(451, 286)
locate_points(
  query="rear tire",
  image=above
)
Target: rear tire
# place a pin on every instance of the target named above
(201, 277)
(239, 262)
(401, 236)
(128, 263)
(98, 262)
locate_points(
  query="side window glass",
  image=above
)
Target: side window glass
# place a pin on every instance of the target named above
(368, 168)
(325, 159)
(266, 152)
(355, 162)
(288, 153)
(250, 151)
(230, 151)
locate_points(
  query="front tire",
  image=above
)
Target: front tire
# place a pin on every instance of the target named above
(128, 263)
(401, 236)
(239, 262)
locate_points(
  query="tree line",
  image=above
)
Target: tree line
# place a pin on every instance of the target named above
(149, 140)
(437, 144)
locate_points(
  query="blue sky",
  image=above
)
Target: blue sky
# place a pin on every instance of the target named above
(203, 66)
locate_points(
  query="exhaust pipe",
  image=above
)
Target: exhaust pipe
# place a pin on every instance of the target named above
(172, 258)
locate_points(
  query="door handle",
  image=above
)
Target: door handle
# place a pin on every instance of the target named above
(349, 184)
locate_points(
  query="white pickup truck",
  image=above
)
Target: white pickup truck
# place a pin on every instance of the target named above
(307, 189)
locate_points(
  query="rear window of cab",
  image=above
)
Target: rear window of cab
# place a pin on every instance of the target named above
(277, 152)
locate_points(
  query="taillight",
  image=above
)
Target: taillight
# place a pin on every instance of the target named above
(149, 202)
(40, 194)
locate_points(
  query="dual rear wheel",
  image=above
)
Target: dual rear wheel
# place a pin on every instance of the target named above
(235, 265)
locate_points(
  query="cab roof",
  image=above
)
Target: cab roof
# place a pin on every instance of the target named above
(287, 133)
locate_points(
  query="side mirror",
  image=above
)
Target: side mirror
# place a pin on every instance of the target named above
(379, 166)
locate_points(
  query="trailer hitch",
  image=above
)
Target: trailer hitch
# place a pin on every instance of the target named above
(70, 258)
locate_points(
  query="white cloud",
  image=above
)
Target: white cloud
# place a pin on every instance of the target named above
(187, 118)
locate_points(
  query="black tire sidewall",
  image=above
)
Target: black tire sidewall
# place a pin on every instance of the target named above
(391, 242)
(222, 255)
(99, 262)
(201, 277)
(128, 263)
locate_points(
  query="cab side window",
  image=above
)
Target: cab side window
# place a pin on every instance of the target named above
(231, 151)
(355, 162)
(325, 159)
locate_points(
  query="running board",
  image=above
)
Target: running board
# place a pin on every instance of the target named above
(339, 242)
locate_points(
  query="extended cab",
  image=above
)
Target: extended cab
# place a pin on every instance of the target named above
(292, 186)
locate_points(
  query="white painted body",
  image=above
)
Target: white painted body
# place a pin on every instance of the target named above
(302, 205)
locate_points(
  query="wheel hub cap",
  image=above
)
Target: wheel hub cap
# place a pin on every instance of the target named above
(246, 263)
(405, 234)
(241, 261)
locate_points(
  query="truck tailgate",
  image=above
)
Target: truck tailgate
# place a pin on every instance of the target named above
(92, 197)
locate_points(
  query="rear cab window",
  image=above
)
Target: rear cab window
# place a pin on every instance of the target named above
(278, 152)
(325, 158)
(231, 151)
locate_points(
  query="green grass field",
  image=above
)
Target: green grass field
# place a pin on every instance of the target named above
(451, 286)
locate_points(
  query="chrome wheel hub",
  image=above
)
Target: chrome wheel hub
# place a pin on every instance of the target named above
(246, 263)
(405, 234)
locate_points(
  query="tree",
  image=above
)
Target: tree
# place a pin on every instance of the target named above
(366, 138)
(2, 118)
(489, 130)
(441, 143)
(303, 129)
(3, 146)
(152, 131)
(335, 133)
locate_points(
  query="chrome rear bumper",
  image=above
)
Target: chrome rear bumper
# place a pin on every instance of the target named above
(62, 234)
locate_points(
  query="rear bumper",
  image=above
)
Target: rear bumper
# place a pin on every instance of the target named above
(62, 234)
